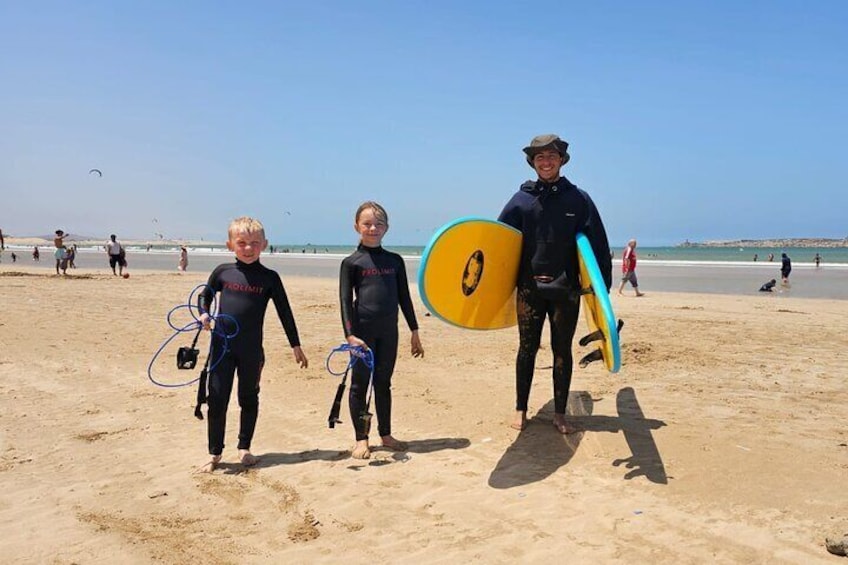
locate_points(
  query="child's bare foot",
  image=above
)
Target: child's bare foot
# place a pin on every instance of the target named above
(562, 426)
(211, 466)
(394, 444)
(247, 458)
(520, 421)
(361, 451)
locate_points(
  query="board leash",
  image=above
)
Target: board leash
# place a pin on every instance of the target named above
(358, 354)
(187, 356)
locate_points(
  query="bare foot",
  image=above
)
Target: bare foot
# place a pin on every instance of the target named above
(247, 458)
(562, 426)
(640, 294)
(520, 421)
(394, 444)
(211, 466)
(361, 451)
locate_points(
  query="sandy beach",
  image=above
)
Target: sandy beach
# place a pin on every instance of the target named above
(722, 440)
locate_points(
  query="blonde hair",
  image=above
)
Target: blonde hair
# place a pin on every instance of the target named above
(379, 211)
(245, 224)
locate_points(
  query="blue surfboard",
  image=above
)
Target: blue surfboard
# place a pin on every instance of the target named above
(603, 328)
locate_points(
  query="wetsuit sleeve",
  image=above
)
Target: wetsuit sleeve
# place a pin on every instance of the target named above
(346, 279)
(404, 299)
(594, 230)
(511, 214)
(213, 285)
(284, 311)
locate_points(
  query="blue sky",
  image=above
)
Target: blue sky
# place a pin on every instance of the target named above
(698, 120)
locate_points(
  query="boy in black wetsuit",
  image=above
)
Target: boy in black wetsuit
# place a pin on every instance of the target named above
(550, 212)
(372, 285)
(245, 288)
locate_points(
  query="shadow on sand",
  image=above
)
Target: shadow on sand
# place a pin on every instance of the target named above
(415, 446)
(539, 450)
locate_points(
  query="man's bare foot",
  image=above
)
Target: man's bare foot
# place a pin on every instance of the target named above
(211, 466)
(247, 458)
(520, 421)
(361, 451)
(640, 294)
(394, 444)
(562, 426)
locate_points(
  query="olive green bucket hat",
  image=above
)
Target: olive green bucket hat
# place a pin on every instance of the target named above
(547, 141)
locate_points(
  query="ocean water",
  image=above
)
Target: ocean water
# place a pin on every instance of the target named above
(674, 253)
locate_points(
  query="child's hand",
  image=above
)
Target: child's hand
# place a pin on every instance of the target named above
(206, 321)
(417, 348)
(300, 357)
(354, 341)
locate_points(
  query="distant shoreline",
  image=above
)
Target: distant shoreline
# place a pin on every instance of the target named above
(789, 242)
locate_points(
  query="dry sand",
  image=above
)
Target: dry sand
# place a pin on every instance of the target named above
(722, 440)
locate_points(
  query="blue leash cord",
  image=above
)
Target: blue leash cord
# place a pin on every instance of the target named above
(357, 355)
(219, 322)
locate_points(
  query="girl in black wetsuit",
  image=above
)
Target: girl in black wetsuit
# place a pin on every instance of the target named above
(372, 285)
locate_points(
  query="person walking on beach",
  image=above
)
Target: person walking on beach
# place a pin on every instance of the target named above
(817, 260)
(628, 268)
(36, 254)
(549, 212)
(244, 289)
(372, 286)
(785, 268)
(183, 264)
(116, 255)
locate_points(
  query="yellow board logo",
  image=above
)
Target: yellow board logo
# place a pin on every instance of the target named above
(473, 272)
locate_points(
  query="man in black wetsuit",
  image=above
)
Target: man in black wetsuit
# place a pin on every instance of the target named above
(372, 285)
(245, 288)
(550, 211)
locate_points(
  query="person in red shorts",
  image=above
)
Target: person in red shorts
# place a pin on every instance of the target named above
(628, 268)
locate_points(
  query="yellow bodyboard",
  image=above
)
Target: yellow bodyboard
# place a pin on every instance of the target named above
(468, 273)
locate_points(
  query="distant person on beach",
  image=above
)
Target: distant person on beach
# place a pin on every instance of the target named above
(628, 268)
(245, 288)
(769, 286)
(117, 255)
(785, 267)
(14, 257)
(550, 211)
(2, 241)
(755, 257)
(771, 257)
(183, 265)
(36, 254)
(71, 252)
(372, 286)
(817, 260)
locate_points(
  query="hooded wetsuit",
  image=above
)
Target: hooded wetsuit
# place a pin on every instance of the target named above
(550, 215)
(245, 291)
(372, 284)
